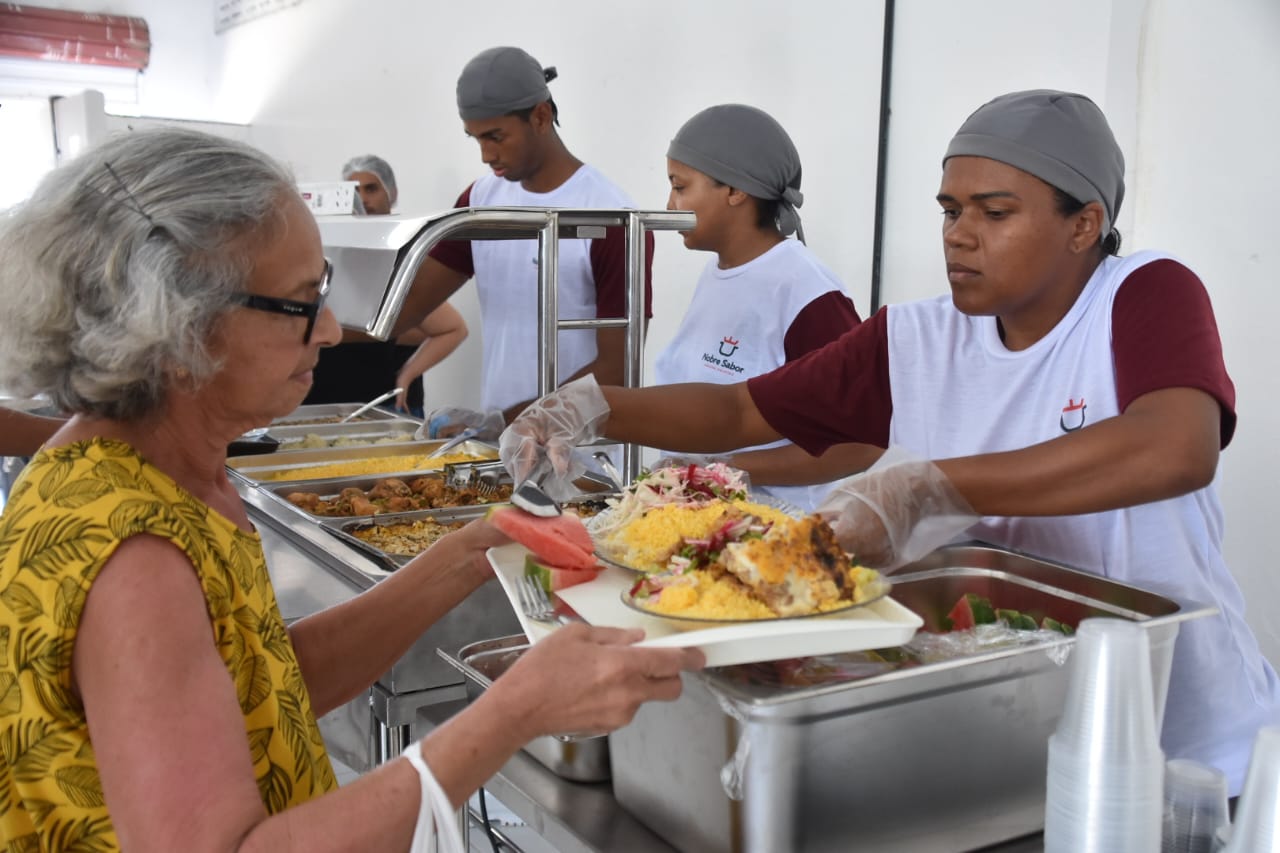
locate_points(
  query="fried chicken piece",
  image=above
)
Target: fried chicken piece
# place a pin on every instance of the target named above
(306, 500)
(389, 488)
(430, 488)
(796, 568)
(362, 506)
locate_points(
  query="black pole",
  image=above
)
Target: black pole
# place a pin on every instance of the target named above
(882, 155)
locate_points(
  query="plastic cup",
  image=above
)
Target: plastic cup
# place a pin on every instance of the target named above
(1105, 773)
(1195, 806)
(1257, 825)
(1109, 706)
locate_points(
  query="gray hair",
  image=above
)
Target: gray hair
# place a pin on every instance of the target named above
(375, 164)
(113, 274)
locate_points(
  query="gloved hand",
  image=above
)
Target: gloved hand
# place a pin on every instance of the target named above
(448, 421)
(549, 429)
(896, 511)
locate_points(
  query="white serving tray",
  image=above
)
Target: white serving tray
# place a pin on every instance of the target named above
(878, 625)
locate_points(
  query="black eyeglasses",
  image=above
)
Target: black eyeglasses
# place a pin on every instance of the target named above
(291, 307)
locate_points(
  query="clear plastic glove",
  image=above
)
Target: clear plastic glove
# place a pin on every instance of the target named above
(896, 511)
(448, 421)
(550, 429)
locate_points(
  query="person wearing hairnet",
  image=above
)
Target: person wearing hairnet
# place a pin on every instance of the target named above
(764, 300)
(359, 367)
(375, 183)
(507, 108)
(1074, 403)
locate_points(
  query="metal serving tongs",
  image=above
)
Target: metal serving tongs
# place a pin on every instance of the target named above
(467, 433)
(369, 405)
(529, 496)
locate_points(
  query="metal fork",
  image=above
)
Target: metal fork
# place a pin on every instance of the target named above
(536, 604)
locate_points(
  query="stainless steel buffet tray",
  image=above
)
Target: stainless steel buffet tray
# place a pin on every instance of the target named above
(580, 759)
(367, 432)
(315, 414)
(332, 487)
(257, 469)
(919, 757)
(345, 528)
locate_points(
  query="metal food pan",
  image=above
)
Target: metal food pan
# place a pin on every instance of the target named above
(332, 410)
(334, 486)
(289, 436)
(927, 756)
(343, 528)
(255, 469)
(578, 759)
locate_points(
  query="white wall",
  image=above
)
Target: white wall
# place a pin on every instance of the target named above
(1191, 90)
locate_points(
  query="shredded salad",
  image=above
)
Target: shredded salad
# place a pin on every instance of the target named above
(685, 485)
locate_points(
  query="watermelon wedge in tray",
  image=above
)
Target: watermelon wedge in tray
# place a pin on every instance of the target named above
(562, 553)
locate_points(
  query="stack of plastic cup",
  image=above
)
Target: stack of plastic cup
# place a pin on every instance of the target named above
(1106, 770)
(1195, 806)
(1257, 826)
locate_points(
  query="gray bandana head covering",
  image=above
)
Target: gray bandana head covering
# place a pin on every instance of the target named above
(376, 165)
(502, 80)
(747, 149)
(1060, 137)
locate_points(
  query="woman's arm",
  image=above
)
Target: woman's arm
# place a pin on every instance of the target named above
(443, 331)
(1165, 444)
(173, 756)
(342, 650)
(21, 434)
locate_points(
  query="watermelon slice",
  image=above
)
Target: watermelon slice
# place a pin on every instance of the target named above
(972, 609)
(560, 541)
(552, 578)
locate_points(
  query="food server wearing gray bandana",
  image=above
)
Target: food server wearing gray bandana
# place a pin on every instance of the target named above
(1061, 400)
(764, 300)
(506, 107)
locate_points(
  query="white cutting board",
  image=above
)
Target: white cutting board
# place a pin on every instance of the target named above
(878, 625)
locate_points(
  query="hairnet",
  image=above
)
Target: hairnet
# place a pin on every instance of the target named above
(501, 80)
(376, 165)
(747, 149)
(1060, 137)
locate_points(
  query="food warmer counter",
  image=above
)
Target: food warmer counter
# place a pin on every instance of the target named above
(940, 745)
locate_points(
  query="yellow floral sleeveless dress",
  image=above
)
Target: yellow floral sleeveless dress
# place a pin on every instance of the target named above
(67, 513)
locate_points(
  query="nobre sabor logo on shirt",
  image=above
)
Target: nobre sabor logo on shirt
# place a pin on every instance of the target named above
(1072, 417)
(727, 347)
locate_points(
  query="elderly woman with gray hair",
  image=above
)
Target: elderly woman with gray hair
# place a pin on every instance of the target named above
(168, 288)
(764, 300)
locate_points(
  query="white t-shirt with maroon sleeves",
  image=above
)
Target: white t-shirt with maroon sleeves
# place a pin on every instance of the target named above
(591, 283)
(750, 319)
(946, 386)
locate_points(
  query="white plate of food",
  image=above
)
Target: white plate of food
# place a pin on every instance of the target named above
(879, 624)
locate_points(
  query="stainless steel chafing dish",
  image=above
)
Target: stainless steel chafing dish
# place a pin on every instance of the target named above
(368, 432)
(258, 469)
(322, 413)
(347, 528)
(935, 757)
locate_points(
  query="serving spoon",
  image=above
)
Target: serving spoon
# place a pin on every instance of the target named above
(369, 405)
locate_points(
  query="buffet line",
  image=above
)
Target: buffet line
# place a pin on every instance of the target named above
(925, 735)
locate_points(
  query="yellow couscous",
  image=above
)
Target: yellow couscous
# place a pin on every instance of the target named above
(702, 594)
(647, 542)
(373, 465)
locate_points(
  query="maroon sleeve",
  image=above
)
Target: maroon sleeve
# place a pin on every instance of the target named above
(1164, 335)
(456, 254)
(609, 268)
(819, 323)
(836, 394)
